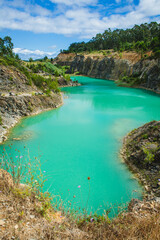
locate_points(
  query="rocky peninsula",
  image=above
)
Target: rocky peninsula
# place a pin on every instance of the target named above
(141, 152)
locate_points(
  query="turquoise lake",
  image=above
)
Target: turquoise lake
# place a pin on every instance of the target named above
(83, 139)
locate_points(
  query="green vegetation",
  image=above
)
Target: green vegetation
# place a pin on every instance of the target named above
(6, 47)
(0, 120)
(145, 136)
(149, 149)
(129, 81)
(46, 84)
(139, 38)
(45, 67)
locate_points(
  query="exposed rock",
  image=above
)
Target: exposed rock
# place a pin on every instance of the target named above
(141, 151)
(113, 67)
(13, 81)
(64, 83)
(15, 107)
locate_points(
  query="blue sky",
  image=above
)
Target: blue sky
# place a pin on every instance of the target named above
(43, 27)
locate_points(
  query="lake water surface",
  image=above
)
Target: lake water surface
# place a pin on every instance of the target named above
(83, 138)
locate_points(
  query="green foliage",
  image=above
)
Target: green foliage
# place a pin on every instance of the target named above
(6, 46)
(46, 67)
(128, 81)
(67, 77)
(149, 156)
(157, 54)
(41, 82)
(149, 149)
(0, 120)
(46, 84)
(56, 73)
(38, 80)
(145, 136)
(30, 59)
(52, 85)
(3, 62)
(45, 58)
(140, 38)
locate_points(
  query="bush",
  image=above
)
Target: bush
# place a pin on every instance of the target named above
(129, 81)
(0, 120)
(38, 80)
(157, 54)
(67, 77)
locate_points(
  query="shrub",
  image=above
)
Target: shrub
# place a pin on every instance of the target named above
(149, 149)
(0, 120)
(67, 77)
(157, 54)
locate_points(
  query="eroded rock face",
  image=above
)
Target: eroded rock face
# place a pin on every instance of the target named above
(106, 68)
(149, 72)
(6, 181)
(141, 151)
(19, 99)
(15, 107)
(112, 68)
(12, 80)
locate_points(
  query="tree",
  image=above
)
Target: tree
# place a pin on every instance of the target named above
(45, 58)
(30, 59)
(6, 46)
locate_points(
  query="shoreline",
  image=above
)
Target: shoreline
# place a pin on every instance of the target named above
(16, 120)
(132, 168)
(136, 173)
(114, 80)
(144, 175)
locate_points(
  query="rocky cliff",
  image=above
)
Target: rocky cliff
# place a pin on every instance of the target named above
(19, 99)
(114, 66)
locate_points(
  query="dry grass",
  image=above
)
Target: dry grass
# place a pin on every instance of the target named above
(141, 224)
(23, 216)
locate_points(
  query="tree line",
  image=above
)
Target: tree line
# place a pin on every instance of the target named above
(141, 38)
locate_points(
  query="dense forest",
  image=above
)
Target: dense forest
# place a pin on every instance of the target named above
(139, 38)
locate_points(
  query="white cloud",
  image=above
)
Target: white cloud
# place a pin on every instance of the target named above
(27, 53)
(77, 18)
(75, 2)
(125, 9)
(53, 46)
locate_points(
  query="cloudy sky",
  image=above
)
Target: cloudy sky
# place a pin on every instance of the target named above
(43, 27)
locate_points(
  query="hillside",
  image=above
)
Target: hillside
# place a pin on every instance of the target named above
(140, 38)
(19, 98)
(25, 92)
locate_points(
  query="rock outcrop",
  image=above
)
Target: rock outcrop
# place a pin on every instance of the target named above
(19, 99)
(113, 67)
(141, 152)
